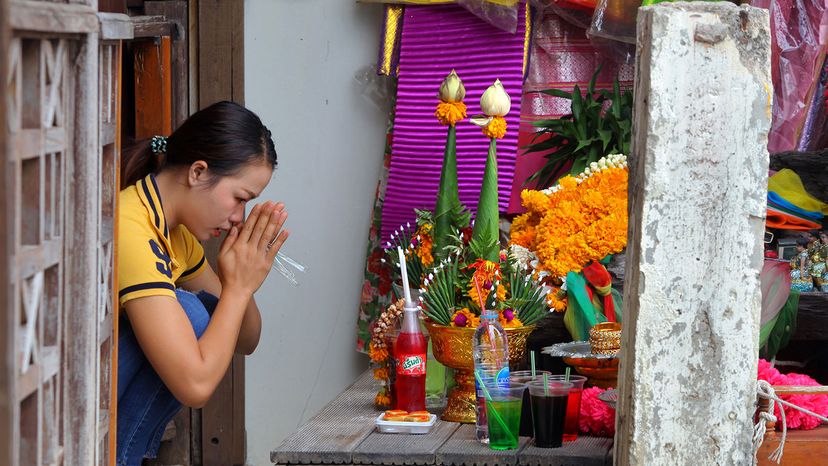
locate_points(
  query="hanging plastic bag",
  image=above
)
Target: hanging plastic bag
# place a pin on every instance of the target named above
(797, 49)
(615, 20)
(502, 14)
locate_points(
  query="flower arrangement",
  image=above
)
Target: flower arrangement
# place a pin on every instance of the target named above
(433, 232)
(474, 273)
(567, 231)
(455, 292)
(379, 351)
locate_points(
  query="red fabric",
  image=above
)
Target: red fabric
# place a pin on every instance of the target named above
(598, 276)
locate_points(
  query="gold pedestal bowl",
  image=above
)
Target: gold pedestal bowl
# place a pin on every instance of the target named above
(452, 346)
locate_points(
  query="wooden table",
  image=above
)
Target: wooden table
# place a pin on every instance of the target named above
(343, 433)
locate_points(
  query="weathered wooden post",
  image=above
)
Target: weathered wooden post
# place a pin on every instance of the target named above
(698, 190)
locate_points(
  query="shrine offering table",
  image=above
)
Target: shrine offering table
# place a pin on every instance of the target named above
(344, 433)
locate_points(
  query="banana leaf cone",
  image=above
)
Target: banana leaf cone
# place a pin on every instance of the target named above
(485, 235)
(449, 213)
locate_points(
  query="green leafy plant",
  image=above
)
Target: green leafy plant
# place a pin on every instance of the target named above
(600, 123)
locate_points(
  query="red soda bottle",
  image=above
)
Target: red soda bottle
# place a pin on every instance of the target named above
(410, 359)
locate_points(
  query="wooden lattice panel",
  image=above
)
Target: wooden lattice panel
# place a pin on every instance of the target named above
(64, 344)
(36, 108)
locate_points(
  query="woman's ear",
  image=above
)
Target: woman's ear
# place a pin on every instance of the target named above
(197, 174)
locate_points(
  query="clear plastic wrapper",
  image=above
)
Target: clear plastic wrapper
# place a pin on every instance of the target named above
(376, 88)
(499, 14)
(285, 266)
(615, 20)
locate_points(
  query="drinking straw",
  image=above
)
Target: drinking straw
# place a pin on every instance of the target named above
(404, 273)
(532, 362)
(546, 383)
(488, 397)
(566, 375)
(479, 295)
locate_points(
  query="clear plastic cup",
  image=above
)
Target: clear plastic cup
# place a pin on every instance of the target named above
(549, 402)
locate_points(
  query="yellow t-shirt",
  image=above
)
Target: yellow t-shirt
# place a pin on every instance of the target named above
(152, 260)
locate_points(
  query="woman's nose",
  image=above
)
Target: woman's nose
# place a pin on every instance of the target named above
(238, 215)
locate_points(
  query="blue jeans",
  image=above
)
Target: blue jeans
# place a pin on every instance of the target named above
(145, 405)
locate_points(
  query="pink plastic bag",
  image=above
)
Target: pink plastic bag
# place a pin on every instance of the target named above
(798, 46)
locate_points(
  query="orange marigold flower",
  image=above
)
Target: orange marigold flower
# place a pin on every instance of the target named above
(507, 321)
(496, 128)
(381, 373)
(501, 293)
(449, 113)
(425, 244)
(463, 318)
(377, 354)
(557, 300)
(576, 224)
(382, 399)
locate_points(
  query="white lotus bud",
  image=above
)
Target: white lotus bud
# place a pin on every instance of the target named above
(495, 101)
(452, 89)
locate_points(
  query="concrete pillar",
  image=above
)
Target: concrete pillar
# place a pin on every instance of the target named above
(698, 190)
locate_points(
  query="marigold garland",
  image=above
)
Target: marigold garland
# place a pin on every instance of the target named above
(496, 128)
(584, 219)
(379, 352)
(449, 113)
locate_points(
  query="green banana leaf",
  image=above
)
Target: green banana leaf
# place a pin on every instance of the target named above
(449, 213)
(484, 243)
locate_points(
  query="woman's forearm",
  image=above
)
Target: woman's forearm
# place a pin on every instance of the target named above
(217, 344)
(251, 329)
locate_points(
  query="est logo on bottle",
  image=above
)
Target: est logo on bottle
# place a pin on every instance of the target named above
(412, 364)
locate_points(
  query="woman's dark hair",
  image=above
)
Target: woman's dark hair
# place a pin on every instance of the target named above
(225, 135)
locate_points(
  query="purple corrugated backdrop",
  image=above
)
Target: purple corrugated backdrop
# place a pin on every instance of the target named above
(436, 39)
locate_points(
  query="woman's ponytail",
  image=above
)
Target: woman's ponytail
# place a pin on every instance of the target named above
(137, 161)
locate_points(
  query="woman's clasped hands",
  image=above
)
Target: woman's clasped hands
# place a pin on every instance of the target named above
(247, 253)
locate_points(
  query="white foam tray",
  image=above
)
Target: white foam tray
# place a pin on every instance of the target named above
(402, 427)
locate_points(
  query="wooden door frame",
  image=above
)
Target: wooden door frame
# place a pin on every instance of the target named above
(217, 73)
(6, 328)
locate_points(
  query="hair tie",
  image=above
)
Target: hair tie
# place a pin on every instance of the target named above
(158, 145)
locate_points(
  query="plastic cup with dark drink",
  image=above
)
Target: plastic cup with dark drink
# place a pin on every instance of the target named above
(549, 400)
(573, 406)
(526, 429)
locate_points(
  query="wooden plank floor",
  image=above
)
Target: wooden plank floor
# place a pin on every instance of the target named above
(343, 433)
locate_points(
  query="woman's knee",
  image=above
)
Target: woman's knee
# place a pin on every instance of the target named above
(195, 310)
